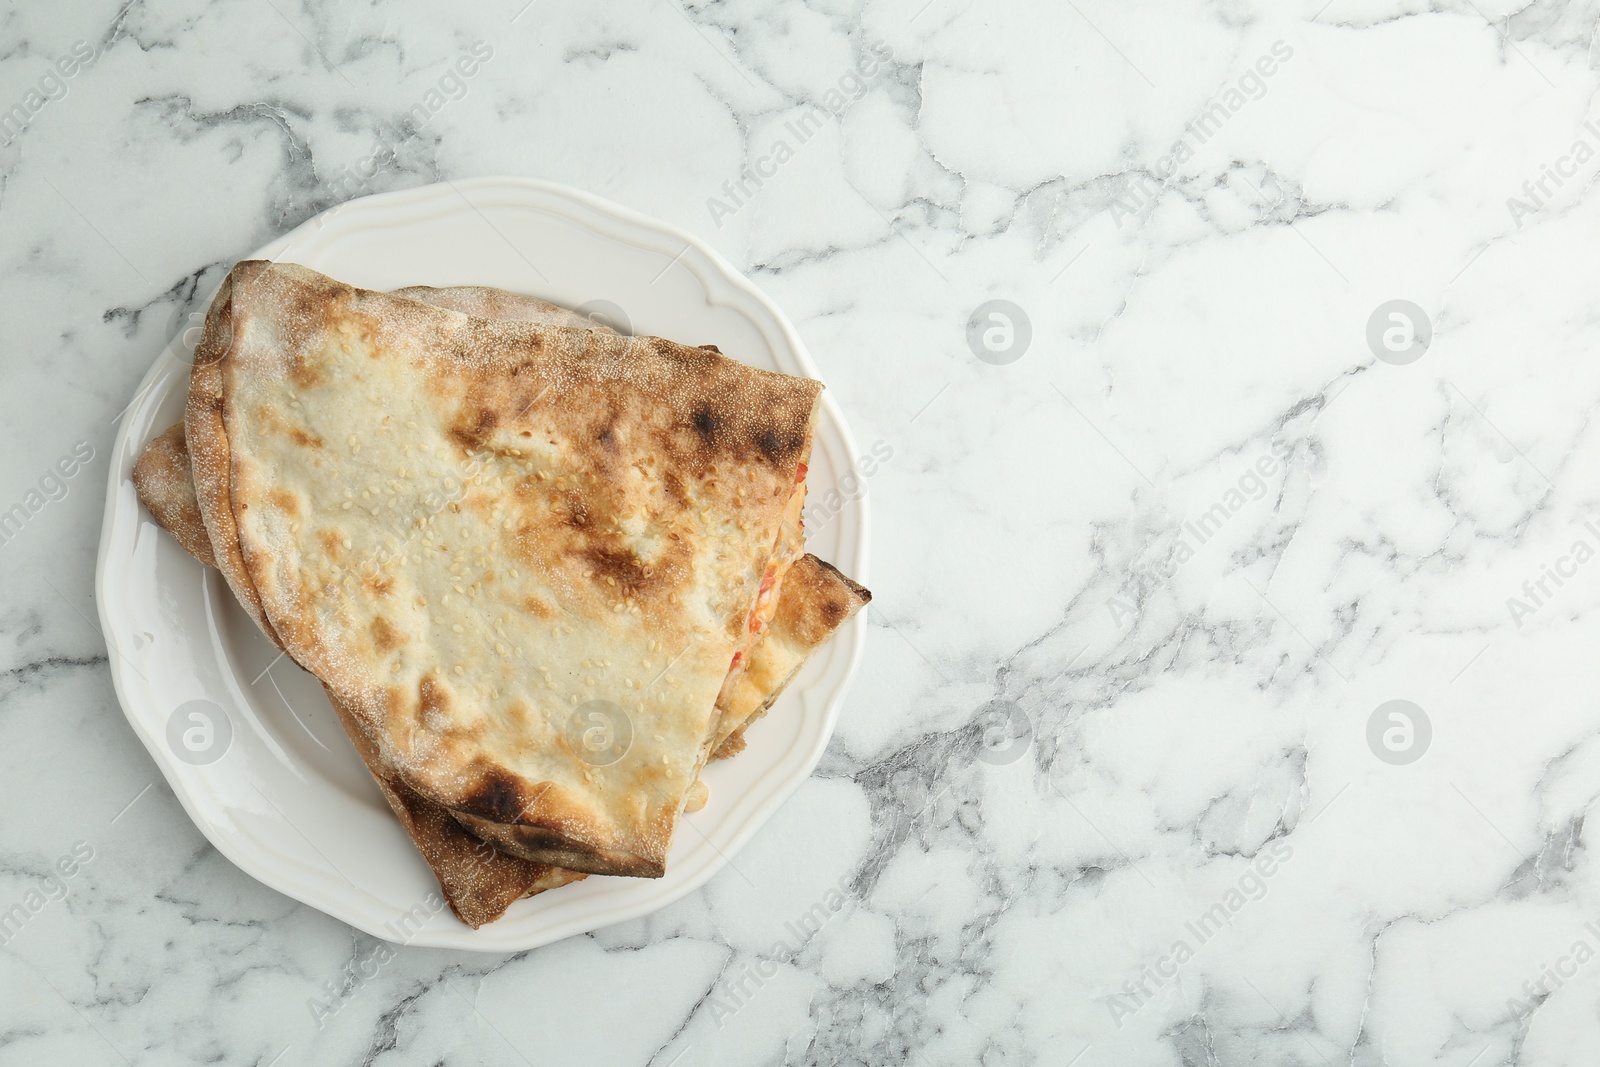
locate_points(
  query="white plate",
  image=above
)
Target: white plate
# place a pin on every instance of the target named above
(288, 800)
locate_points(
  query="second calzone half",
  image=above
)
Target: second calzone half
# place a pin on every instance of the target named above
(496, 541)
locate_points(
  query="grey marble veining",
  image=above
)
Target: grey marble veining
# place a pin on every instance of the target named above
(1122, 780)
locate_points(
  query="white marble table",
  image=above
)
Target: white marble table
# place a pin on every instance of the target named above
(1120, 782)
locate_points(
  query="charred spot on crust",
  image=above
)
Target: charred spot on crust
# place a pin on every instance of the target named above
(496, 798)
(577, 511)
(707, 423)
(535, 837)
(779, 448)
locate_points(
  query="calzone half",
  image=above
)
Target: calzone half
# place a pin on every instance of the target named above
(619, 505)
(479, 881)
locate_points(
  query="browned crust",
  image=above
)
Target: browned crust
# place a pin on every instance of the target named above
(824, 601)
(815, 601)
(539, 844)
(479, 881)
(448, 849)
(166, 488)
(209, 458)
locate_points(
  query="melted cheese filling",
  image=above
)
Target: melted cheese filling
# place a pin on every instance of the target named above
(790, 547)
